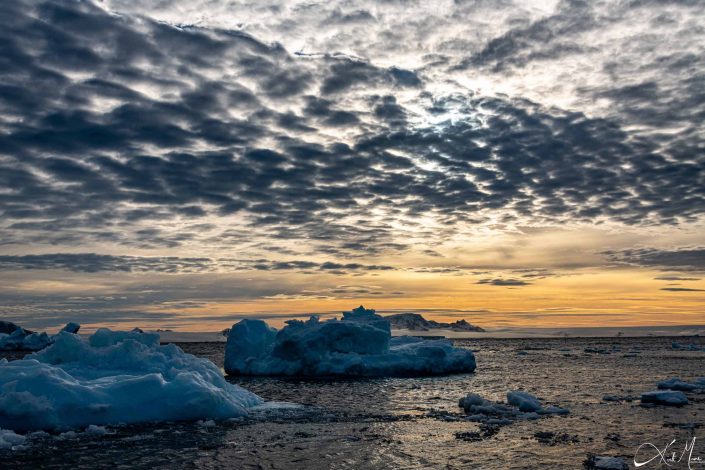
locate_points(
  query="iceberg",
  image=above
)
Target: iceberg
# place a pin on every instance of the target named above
(14, 337)
(113, 378)
(360, 344)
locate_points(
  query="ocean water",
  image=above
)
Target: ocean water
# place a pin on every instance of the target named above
(415, 423)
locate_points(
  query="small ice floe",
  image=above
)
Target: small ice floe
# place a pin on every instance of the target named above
(681, 385)
(360, 344)
(10, 440)
(596, 462)
(15, 338)
(664, 397)
(522, 353)
(110, 378)
(520, 406)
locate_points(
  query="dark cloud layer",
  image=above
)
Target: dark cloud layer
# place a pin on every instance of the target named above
(110, 122)
(682, 289)
(685, 259)
(92, 263)
(503, 282)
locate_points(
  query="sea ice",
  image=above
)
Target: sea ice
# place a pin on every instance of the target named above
(665, 397)
(112, 378)
(360, 344)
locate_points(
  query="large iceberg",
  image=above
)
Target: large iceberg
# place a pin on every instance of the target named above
(360, 344)
(113, 378)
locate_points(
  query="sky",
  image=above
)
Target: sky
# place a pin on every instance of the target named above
(184, 164)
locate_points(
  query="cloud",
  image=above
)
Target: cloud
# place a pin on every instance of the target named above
(682, 289)
(93, 262)
(132, 126)
(676, 278)
(683, 259)
(504, 282)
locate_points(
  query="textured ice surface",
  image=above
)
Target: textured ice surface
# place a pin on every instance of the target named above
(358, 345)
(113, 377)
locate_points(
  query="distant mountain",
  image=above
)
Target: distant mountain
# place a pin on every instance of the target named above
(415, 322)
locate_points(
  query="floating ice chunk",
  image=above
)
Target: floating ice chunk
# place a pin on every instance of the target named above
(595, 462)
(473, 400)
(8, 439)
(665, 397)
(21, 339)
(524, 401)
(7, 327)
(114, 377)
(24, 340)
(521, 405)
(677, 384)
(360, 344)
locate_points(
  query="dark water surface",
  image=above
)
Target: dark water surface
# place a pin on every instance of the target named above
(415, 423)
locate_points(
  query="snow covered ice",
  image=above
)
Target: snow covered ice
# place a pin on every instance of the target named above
(112, 378)
(360, 344)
